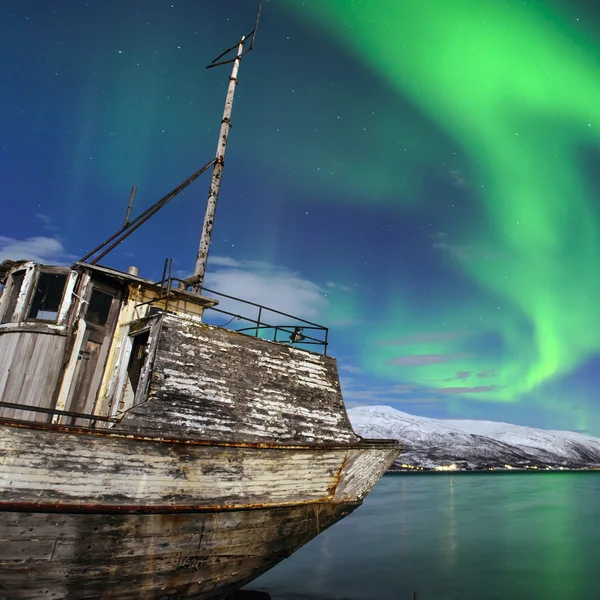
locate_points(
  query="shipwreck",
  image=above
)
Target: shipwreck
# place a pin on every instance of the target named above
(147, 454)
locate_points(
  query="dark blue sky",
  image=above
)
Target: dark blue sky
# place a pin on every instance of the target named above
(350, 195)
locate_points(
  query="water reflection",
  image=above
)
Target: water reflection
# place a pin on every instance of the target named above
(450, 540)
(326, 561)
(486, 537)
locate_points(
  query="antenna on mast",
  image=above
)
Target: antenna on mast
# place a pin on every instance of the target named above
(213, 193)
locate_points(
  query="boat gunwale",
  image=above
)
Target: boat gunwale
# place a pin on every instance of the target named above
(153, 509)
(362, 443)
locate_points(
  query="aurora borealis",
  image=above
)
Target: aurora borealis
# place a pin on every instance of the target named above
(424, 173)
(517, 87)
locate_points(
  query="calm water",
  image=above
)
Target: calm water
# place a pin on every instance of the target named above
(485, 537)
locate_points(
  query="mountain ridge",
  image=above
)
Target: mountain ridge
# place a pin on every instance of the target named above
(467, 445)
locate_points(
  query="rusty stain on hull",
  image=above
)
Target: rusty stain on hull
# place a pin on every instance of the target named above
(363, 443)
(63, 507)
(40, 466)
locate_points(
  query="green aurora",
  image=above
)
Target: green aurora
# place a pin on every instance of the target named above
(518, 89)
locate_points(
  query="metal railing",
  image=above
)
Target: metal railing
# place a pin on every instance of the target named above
(61, 413)
(296, 332)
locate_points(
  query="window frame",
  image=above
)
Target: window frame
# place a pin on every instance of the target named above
(33, 272)
(9, 297)
(22, 306)
(33, 287)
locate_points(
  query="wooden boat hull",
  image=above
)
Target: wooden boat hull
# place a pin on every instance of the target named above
(150, 556)
(105, 514)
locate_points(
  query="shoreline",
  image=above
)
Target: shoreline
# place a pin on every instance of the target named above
(496, 471)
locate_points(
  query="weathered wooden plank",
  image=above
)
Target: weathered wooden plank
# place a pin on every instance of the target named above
(361, 471)
(8, 344)
(18, 550)
(47, 466)
(213, 383)
(30, 364)
(42, 374)
(20, 362)
(126, 556)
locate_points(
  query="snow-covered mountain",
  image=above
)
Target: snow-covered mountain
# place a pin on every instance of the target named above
(441, 443)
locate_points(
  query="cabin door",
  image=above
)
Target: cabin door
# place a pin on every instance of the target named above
(100, 318)
(136, 362)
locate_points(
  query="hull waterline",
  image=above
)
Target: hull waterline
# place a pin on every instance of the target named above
(102, 514)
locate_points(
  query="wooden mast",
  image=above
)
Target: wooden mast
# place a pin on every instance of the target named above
(213, 193)
(215, 184)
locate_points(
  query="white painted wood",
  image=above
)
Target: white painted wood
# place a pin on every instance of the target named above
(104, 469)
(24, 294)
(361, 472)
(8, 344)
(211, 383)
(68, 298)
(79, 333)
(116, 385)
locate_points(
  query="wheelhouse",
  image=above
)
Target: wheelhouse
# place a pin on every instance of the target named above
(88, 345)
(79, 341)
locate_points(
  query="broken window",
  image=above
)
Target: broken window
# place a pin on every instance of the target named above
(139, 351)
(99, 307)
(13, 290)
(47, 296)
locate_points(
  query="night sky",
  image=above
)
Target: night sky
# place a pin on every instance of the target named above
(422, 177)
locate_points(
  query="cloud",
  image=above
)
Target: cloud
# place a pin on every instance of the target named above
(468, 390)
(225, 261)
(405, 388)
(464, 252)
(460, 375)
(457, 179)
(41, 249)
(425, 338)
(401, 396)
(351, 369)
(463, 375)
(47, 222)
(419, 360)
(412, 406)
(576, 407)
(458, 251)
(275, 287)
(348, 289)
(487, 373)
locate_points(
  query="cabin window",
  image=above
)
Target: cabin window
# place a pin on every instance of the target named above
(99, 307)
(130, 379)
(13, 290)
(137, 358)
(47, 296)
